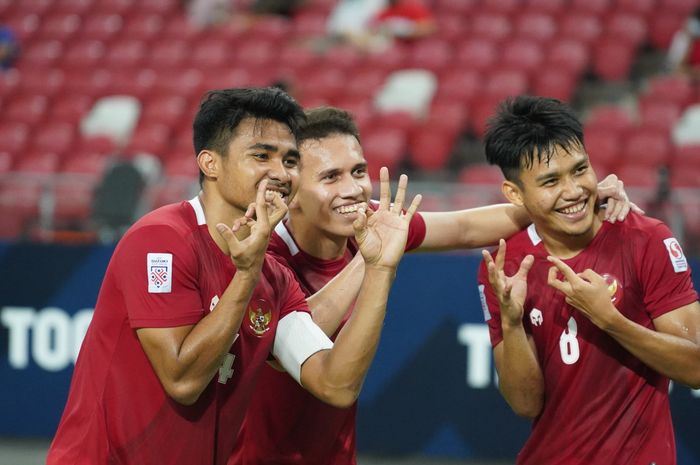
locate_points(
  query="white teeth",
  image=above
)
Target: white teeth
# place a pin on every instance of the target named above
(574, 209)
(346, 209)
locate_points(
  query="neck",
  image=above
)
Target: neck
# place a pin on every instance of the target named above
(566, 246)
(217, 210)
(315, 242)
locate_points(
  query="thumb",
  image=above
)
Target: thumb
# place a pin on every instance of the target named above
(226, 233)
(360, 225)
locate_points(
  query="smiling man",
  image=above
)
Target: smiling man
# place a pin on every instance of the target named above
(188, 311)
(588, 320)
(286, 425)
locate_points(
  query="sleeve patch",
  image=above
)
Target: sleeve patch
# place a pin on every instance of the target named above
(676, 255)
(160, 272)
(484, 305)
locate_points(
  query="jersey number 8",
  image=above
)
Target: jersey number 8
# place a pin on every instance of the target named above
(568, 344)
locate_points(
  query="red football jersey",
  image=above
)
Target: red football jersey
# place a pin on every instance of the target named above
(602, 405)
(166, 272)
(285, 424)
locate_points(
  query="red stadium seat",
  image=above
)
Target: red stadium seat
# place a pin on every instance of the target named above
(180, 27)
(612, 60)
(85, 54)
(14, 137)
(168, 109)
(59, 26)
(361, 109)
(126, 53)
(401, 120)
(120, 7)
(461, 8)
(143, 27)
(135, 82)
(491, 26)
(479, 54)
(225, 78)
(169, 54)
(500, 6)
(451, 28)
(365, 82)
(482, 110)
(30, 109)
(254, 53)
(391, 59)
(639, 175)
(33, 6)
(658, 114)
(77, 7)
(95, 84)
(643, 7)
(609, 118)
(647, 148)
(40, 54)
(686, 178)
(101, 26)
(662, 28)
(160, 7)
(23, 25)
(481, 174)
(628, 27)
(211, 53)
(547, 6)
(309, 24)
(430, 147)
(326, 83)
(6, 161)
(570, 55)
(54, 136)
(383, 147)
(343, 56)
(685, 156)
(556, 83)
(604, 146)
(37, 163)
(504, 83)
(49, 82)
(270, 28)
(682, 7)
(597, 7)
(453, 114)
(582, 26)
(73, 196)
(677, 89)
(85, 162)
(522, 55)
(297, 56)
(432, 54)
(102, 145)
(153, 139)
(182, 165)
(535, 26)
(460, 84)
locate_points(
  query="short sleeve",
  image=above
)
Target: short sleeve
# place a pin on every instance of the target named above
(664, 272)
(156, 274)
(416, 232)
(489, 306)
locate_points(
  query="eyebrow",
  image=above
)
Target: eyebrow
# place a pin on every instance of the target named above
(554, 174)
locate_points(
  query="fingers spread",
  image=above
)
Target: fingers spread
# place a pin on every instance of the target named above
(400, 194)
(414, 206)
(384, 188)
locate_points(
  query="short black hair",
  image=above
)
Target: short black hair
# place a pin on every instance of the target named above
(221, 111)
(526, 127)
(327, 121)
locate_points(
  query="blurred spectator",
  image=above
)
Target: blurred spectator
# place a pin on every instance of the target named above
(276, 7)
(350, 22)
(205, 13)
(684, 52)
(405, 19)
(9, 48)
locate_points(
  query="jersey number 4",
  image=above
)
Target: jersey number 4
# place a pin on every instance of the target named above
(226, 369)
(568, 344)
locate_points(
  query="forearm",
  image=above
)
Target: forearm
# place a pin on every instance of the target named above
(191, 367)
(330, 304)
(473, 228)
(673, 356)
(345, 366)
(520, 378)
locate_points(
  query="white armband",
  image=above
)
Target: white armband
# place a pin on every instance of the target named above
(297, 339)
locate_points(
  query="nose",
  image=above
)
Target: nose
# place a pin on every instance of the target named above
(572, 189)
(350, 188)
(278, 171)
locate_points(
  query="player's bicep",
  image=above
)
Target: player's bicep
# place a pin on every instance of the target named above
(682, 322)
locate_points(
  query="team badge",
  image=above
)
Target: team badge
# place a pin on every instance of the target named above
(536, 317)
(259, 317)
(614, 287)
(160, 266)
(675, 253)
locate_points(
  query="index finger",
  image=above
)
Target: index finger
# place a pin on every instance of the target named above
(261, 205)
(565, 269)
(384, 189)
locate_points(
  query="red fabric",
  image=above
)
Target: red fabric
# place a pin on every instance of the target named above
(603, 406)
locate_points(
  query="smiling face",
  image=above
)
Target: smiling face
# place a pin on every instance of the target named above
(560, 196)
(334, 183)
(259, 149)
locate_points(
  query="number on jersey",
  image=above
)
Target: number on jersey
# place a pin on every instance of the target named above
(568, 344)
(226, 369)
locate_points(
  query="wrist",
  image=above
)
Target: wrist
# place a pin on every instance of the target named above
(380, 269)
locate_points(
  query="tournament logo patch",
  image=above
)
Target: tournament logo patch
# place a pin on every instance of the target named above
(675, 253)
(259, 317)
(160, 272)
(614, 287)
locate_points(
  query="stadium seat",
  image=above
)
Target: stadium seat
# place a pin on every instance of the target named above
(26, 108)
(48, 82)
(681, 7)
(481, 174)
(662, 28)
(309, 24)
(24, 25)
(461, 84)
(478, 54)
(523, 55)
(181, 165)
(133, 82)
(451, 28)
(582, 26)
(491, 26)
(211, 54)
(78, 7)
(33, 6)
(40, 54)
(645, 147)
(83, 54)
(270, 28)
(39, 163)
(120, 7)
(643, 7)
(604, 145)
(168, 109)
(628, 27)
(500, 6)
(609, 118)
(461, 8)
(326, 83)
(453, 114)
(365, 82)
(14, 137)
(255, 53)
(153, 139)
(612, 60)
(6, 161)
(502, 83)
(673, 88)
(159, 7)
(383, 147)
(683, 177)
(557, 83)
(547, 6)
(658, 114)
(126, 53)
(342, 57)
(535, 26)
(482, 109)
(54, 136)
(430, 54)
(639, 176)
(95, 84)
(179, 27)
(686, 156)
(568, 55)
(169, 54)
(597, 7)
(393, 58)
(59, 26)
(430, 147)
(101, 26)
(143, 27)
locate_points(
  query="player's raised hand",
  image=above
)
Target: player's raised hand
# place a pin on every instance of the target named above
(618, 205)
(381, 236)
(587, 291)
(510, 290)
(248, 251)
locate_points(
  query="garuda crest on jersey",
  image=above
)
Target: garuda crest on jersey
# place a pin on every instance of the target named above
(259, 318)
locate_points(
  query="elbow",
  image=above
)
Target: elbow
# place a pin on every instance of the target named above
(339, 397)
(183, 393)
(527, 411)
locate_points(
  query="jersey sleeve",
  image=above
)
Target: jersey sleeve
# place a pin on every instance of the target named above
(157, 276)
(664, 272)
(489, 306)
(416, 232)
(291, 297)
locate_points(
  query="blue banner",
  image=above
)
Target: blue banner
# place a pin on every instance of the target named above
(431, 389)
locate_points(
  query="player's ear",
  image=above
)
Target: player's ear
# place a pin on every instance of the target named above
(208, 162)
(513, 193)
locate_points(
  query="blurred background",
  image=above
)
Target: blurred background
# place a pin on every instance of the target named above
(96, 104)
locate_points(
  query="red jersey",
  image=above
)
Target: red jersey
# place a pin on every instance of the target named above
(285, 424)
(602, 405)
(167, 271)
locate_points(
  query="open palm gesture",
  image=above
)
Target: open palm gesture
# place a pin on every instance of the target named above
(510, 290)
(381, 235)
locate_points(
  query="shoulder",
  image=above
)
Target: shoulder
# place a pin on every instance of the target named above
(164, 228)
(641, 229)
